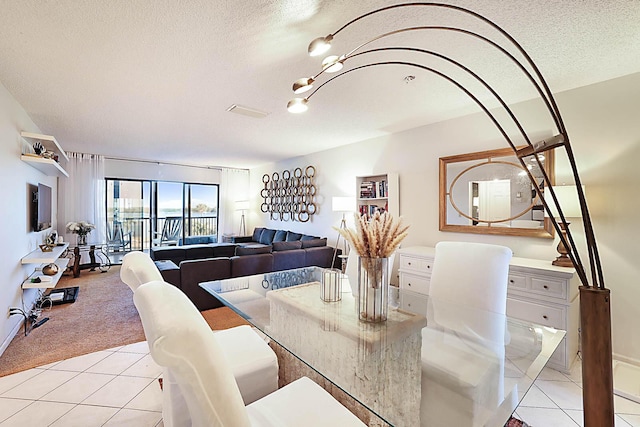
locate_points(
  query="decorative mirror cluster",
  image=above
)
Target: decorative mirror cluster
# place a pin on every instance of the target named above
(290, 195)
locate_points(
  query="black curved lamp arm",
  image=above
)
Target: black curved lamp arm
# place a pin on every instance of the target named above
(483, 19)
(569, 242)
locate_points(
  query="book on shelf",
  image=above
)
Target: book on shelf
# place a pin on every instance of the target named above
(374, 189)
(370, 210)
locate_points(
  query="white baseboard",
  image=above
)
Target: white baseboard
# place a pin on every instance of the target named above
(10, 337)
(629, 360)
(626, 380)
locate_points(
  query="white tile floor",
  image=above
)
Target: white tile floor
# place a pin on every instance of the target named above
(119, 387)
(116, 387)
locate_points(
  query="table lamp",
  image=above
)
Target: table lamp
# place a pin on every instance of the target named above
(567, 196)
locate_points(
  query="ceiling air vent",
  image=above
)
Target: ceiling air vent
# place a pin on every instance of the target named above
(246, 111)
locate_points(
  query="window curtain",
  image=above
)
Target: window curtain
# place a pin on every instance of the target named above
(81, 196)
(234, 186)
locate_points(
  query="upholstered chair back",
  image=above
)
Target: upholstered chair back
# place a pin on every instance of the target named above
(138, 268)
(181, 340)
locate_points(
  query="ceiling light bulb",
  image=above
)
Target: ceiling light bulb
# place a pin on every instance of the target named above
(332, 64)
(297, 105)
(303, 85)
(320, 45)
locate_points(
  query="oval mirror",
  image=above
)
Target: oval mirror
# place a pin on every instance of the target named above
(490, 192)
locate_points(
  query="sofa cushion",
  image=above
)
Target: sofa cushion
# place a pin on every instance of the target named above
(291, 236)
(250, 265)
(320, 256)
(267, 236)
(224, 249)
(287, 246)
(253, 250)
(198, 252)
(256, 234)
(280, 236)
(313, 243)
(286, 260)
(307, 237)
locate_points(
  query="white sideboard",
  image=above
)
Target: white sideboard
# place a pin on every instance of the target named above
(537, 292)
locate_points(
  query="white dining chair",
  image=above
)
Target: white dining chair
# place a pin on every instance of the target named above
(253, 362)
(138, 268)
(180, 340)
(463, 345)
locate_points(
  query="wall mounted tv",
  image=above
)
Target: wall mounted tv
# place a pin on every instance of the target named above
(41, 207)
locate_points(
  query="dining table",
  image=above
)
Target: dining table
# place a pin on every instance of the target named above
(452, 365)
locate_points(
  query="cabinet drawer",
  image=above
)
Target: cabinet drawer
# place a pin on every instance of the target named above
(548, 286)
(414, 303)
(517, 282)
(419, 265)
(541, 314)
(414, 283)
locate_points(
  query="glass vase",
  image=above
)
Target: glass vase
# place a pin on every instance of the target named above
(373, 289)
(82, 239)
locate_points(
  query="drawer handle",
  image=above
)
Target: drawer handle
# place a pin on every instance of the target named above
(544, 316)
(546, 287)
(511, 281)
(409, 284)
(409, 263)
(428, 267)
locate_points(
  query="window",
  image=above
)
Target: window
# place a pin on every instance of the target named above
(140, 208)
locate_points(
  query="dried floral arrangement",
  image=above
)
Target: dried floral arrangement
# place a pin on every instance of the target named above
(377, 236)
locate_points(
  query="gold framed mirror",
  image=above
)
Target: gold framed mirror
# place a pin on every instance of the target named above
(489, 192)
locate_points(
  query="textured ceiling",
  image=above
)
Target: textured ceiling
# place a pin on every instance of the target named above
(150, 79)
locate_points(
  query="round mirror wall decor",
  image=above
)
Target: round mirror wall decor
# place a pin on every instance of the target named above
(289, 195)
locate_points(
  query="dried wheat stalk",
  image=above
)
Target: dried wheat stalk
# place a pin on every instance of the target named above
(375, 237)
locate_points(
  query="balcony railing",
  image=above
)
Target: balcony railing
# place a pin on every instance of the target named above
(140, 236)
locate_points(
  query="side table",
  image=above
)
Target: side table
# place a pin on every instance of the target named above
(98, 258)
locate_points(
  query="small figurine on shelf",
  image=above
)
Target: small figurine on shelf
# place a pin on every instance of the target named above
(38, 148)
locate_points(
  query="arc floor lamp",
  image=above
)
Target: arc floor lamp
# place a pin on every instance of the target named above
(595, 313)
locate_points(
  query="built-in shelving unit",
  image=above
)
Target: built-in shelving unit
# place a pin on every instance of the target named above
(47, 166)
(46, 282)
(378, 192)
(44, 258)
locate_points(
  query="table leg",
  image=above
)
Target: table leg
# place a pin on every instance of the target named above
(76, 262)
(92, 257)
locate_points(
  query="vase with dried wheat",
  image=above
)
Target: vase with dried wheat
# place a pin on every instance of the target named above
(374, 239)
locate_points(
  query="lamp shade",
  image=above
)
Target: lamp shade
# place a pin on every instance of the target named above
(567, 196)
(242, 205)
(343, 204)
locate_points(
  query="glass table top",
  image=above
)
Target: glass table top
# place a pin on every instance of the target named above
(454, 366)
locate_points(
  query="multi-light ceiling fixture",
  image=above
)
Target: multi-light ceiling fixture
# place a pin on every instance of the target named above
(594, 296)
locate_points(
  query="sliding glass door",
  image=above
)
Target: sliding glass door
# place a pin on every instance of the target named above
(138, 210)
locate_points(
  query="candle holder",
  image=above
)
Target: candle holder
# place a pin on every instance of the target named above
(331, 285)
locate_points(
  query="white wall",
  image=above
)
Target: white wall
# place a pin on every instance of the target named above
(131, 169)
(17, 237)
(602, 121)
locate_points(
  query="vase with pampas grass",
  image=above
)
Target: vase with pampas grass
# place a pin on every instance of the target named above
(375, 238)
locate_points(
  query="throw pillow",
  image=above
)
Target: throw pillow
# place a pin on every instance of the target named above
(256, 234)
(313, 243)
(252, 250)
(307, 237)
(280, 236)
(291, 236)
(287, 246)
(267, 236)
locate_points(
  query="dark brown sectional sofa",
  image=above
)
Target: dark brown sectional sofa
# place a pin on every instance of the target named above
(187, 266)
